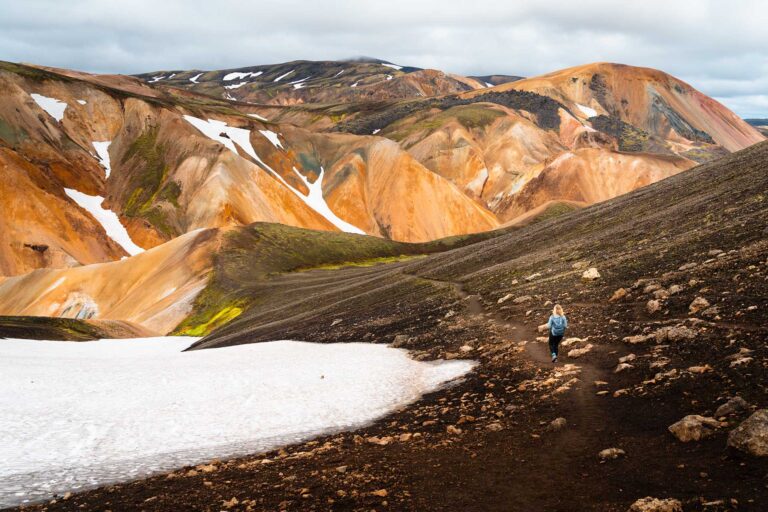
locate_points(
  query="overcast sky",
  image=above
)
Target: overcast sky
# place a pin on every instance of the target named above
(719, 47)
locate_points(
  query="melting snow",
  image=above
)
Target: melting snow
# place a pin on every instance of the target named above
(298, 84)
(389, 77)
(194, 78)
(489, 84)
(78, 415)
(337, 74)
(393, 66)
(283, 76)
(82, 102)
(156, 79)
(257, 116)
(107, 218)
(272, 136)
(589, 112)
(102, 149)
(377, 130)
(172, 75)
(316, 201)
(354, 84)
(54, 107)
(235, 86)
(239, 76)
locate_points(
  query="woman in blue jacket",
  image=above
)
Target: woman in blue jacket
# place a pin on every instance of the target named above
(557, 325)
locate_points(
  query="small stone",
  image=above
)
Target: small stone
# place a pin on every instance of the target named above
(698, 304)
(381, 493)
(627, 358)
(557, 424)
(494, 427)
(504, 299)
(453, 430)
(675, 333)
(341, 469)
(523, 299)
(675, 289)
(400, 341)
(694, 428)
(622, 367)
(590, 274)
(618, 295)
(732, 406)
(649, 504)
(578, 352)
(611, 453)
(533, 276)
(652, 306)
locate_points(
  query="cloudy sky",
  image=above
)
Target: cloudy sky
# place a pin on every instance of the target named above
(719, 47)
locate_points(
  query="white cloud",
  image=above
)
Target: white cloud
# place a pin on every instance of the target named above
(718, 47)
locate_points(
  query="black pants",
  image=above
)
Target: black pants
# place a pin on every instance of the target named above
(554, 343)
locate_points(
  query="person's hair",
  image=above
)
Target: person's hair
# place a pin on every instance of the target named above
(558, 310)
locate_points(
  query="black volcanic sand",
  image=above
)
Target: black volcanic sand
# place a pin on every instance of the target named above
(485, 443)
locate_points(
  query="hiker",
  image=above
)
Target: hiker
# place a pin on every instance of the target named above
(557, 325)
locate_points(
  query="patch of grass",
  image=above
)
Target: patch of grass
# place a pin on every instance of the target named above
(362, 263)
(204, 324)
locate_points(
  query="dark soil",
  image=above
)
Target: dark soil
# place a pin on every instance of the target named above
(485, 443)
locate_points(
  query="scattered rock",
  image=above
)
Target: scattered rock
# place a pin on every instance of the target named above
(752, 435)
(639, 338)
(494, 427)
(504, 299)
(688, 266)
(711, 312)
(570, 341)
(453, 430)
(578, 352)
(700, 369)
(533, 276)
(524, 298)
(381, 493)
(336, 322)
(590, 274)
(579, 265)
(611, 453)
(651, 288)
(675, 289)
(676, 333)
(627, 358)
(698, 304)
(400, 341)
(652, 306)
(732, 406)
(649, 504)
(557, 424)
(622, 366)
(618, 295)
(694, 428)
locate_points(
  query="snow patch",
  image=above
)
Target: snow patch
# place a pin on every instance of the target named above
(283, 75)
(393, 66)
(235, 86)
(79, 415)
(476, 185)
(156, 79)
(489, 84)
(82, 102)
(298, 84)
(107, 218)
(354, 84)
(272, 136)
(389, 77)
(257, 116)
(102, 149)
(589, 112)
(377, 130)
(194, 78)
(239, 76)
(337, 74)
(242, 137)
(54, 107)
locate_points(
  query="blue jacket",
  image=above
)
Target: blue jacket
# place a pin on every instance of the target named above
(557, 325)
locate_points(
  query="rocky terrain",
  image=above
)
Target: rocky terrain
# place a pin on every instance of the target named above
(658, 402)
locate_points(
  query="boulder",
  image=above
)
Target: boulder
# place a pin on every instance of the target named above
(638, 338)
(618, 295)
(627, 358)
(622, 366)
(732, 406)
(694, 428)
(400, 341)
(752, 435)
(649, 504)
(652, 306)
(675, 289)
(698, 304)
(590, 274)
(521, 300)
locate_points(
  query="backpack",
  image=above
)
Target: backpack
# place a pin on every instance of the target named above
(557, 325)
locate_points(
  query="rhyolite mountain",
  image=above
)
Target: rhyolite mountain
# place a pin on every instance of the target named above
(96, 168)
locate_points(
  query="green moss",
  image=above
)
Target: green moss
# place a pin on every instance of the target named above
(204, 326)
(13, 135)
(362, 263)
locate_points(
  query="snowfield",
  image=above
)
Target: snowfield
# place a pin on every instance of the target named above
(76, 415)
(54, 107)
(107, 218)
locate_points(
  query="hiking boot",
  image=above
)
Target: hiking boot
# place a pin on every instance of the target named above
(554, 358)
